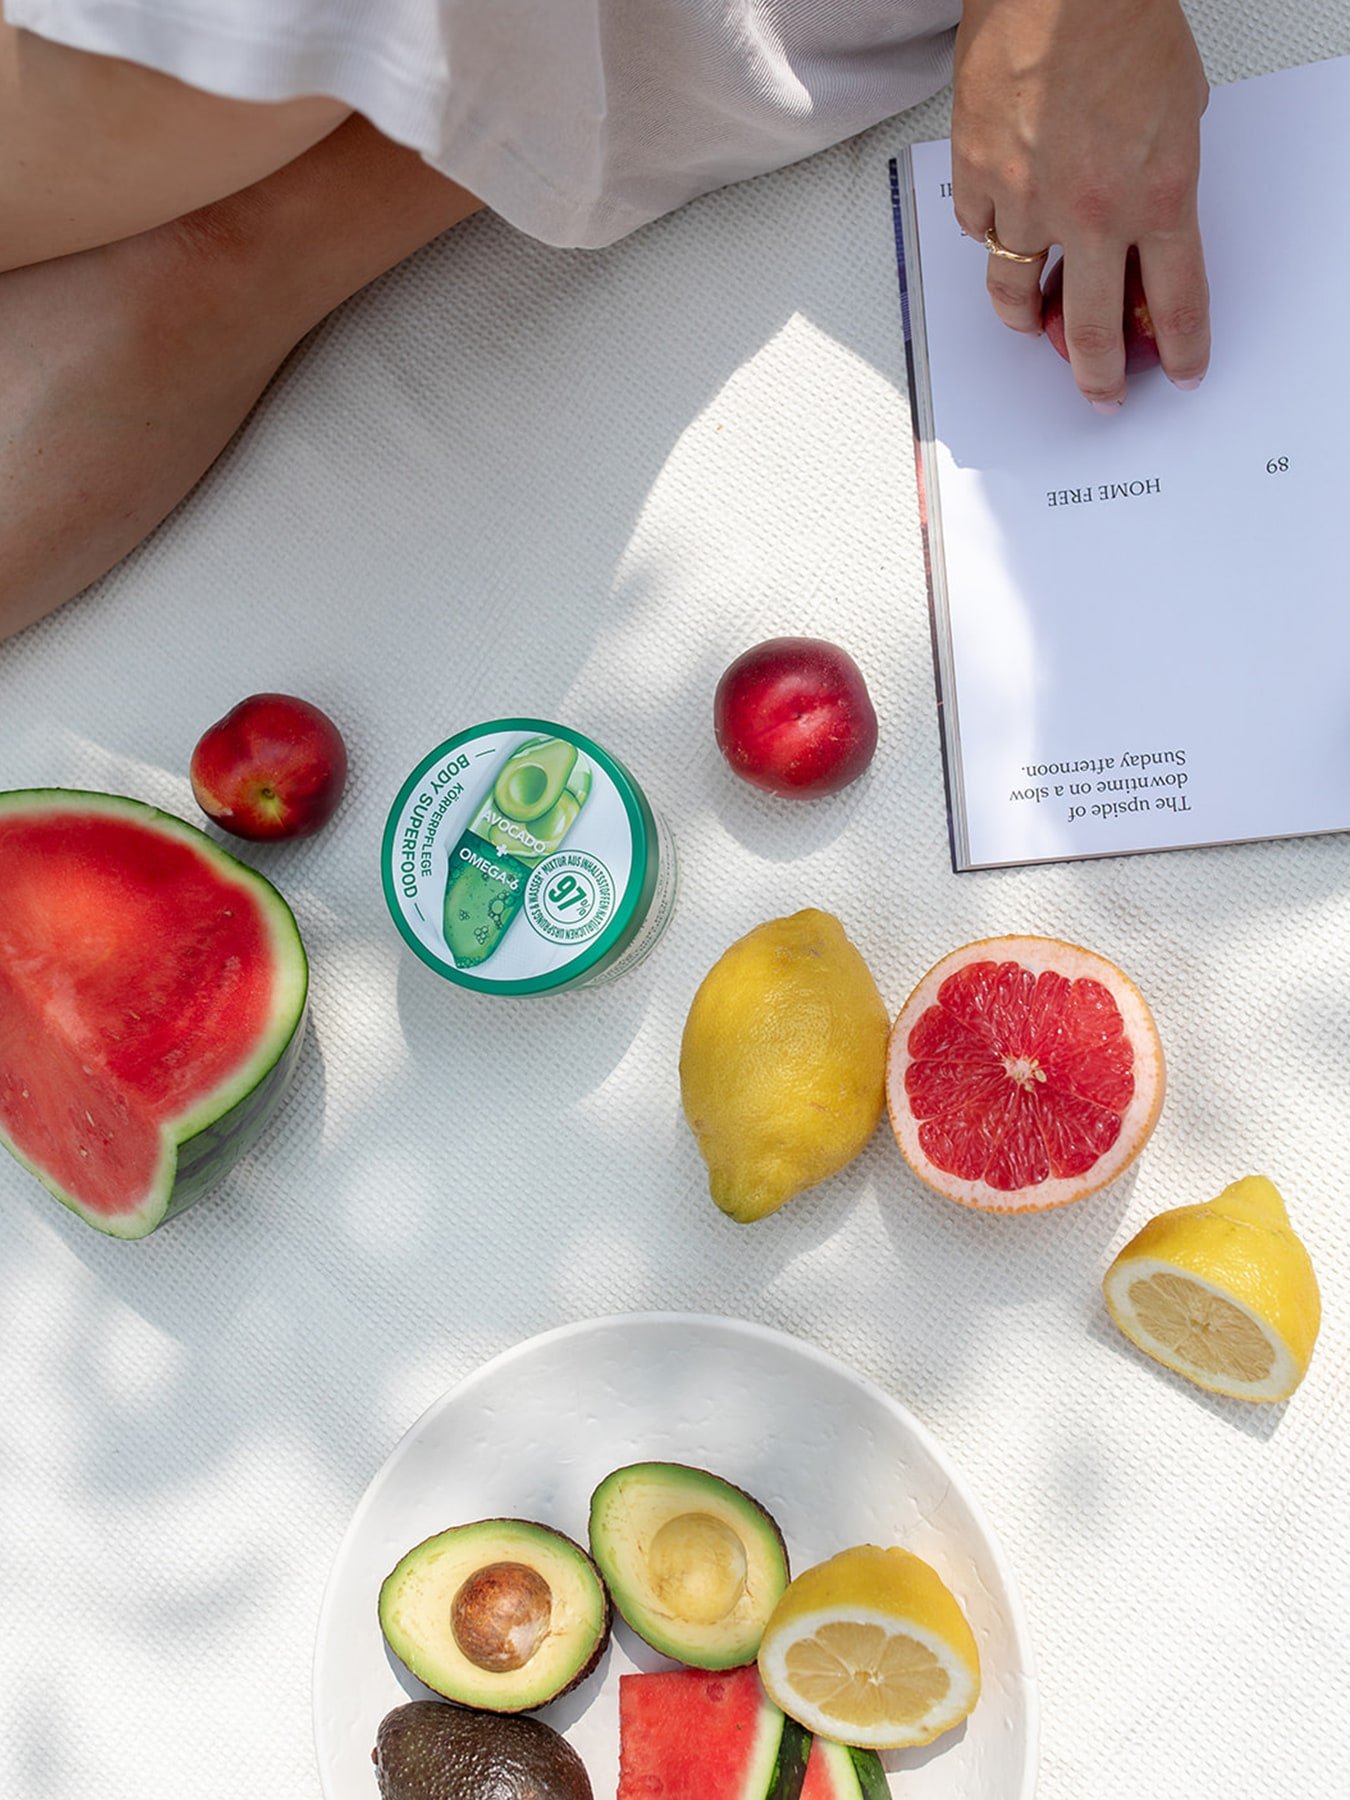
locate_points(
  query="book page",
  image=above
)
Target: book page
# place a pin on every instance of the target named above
(1149, 613)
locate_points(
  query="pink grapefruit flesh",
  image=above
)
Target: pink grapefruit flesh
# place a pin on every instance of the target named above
(1023, 1073)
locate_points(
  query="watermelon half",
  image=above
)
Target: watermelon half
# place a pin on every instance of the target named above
(152, 1003)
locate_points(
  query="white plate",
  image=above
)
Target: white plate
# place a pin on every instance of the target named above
(532, 1432)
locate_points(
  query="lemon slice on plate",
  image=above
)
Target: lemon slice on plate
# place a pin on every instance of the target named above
(871, 1649)
(1223, 1293)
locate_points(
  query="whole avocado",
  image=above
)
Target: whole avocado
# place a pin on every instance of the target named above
(428, 1750)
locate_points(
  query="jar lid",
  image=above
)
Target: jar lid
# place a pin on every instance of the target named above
(519, 858)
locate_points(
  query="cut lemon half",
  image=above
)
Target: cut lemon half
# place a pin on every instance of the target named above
(871, 1649)
(1222, 1293)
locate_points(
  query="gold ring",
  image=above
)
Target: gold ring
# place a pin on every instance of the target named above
(994, 248)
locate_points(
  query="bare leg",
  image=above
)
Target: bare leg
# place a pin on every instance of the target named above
(93, 148)
(125, 369)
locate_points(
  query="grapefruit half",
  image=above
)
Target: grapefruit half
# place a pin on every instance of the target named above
(1023, 1073)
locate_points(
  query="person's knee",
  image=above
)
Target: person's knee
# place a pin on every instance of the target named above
(93, 148)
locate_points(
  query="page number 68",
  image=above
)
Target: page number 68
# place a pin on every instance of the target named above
(1278, 465)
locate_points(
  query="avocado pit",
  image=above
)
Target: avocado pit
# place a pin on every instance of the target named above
(501, 1615)
(697, 1566)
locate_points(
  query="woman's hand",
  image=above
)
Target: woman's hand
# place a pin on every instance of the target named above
(1077, 122)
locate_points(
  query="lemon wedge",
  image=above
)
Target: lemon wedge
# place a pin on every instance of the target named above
(1223, 1293)
(871, 1649)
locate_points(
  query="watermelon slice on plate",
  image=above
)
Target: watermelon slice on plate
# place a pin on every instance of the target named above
(838, 1772)
(152, 1001)
(703, 1734)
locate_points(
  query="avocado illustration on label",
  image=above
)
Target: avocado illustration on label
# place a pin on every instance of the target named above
(531, 842)
(532, 779)
(536, 799)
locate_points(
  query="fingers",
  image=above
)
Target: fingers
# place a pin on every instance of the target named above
(1105, 281)
(1173, 272)
(1015, 287)
(1164, 294)
(1094, 309)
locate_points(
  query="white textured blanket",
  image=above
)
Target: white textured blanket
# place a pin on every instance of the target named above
(513, 480)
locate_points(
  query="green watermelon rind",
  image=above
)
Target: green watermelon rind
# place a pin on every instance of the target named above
(789, 1771)
(198, 1147)
(776, 1767)
(854, 1774)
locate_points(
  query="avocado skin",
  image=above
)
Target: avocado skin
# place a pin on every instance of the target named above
(427, 1750)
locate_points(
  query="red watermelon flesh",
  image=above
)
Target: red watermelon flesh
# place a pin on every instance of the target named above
(703, 1734)
(151, 993)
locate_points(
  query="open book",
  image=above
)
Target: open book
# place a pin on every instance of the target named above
(1141, 623)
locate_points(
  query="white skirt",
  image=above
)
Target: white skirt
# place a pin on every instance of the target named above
(576, 120)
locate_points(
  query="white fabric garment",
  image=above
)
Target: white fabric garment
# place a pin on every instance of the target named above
(576, 120)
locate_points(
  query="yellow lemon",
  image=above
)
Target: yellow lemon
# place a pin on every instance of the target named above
(783, 1062)
(871, 1648)
(1223, 1293)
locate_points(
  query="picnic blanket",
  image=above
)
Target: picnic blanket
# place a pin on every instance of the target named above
(511, 480)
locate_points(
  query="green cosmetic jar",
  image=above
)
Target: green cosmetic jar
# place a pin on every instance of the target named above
(522, 858)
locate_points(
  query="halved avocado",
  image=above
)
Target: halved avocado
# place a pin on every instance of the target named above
(501, 1614)
(694, 1564)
